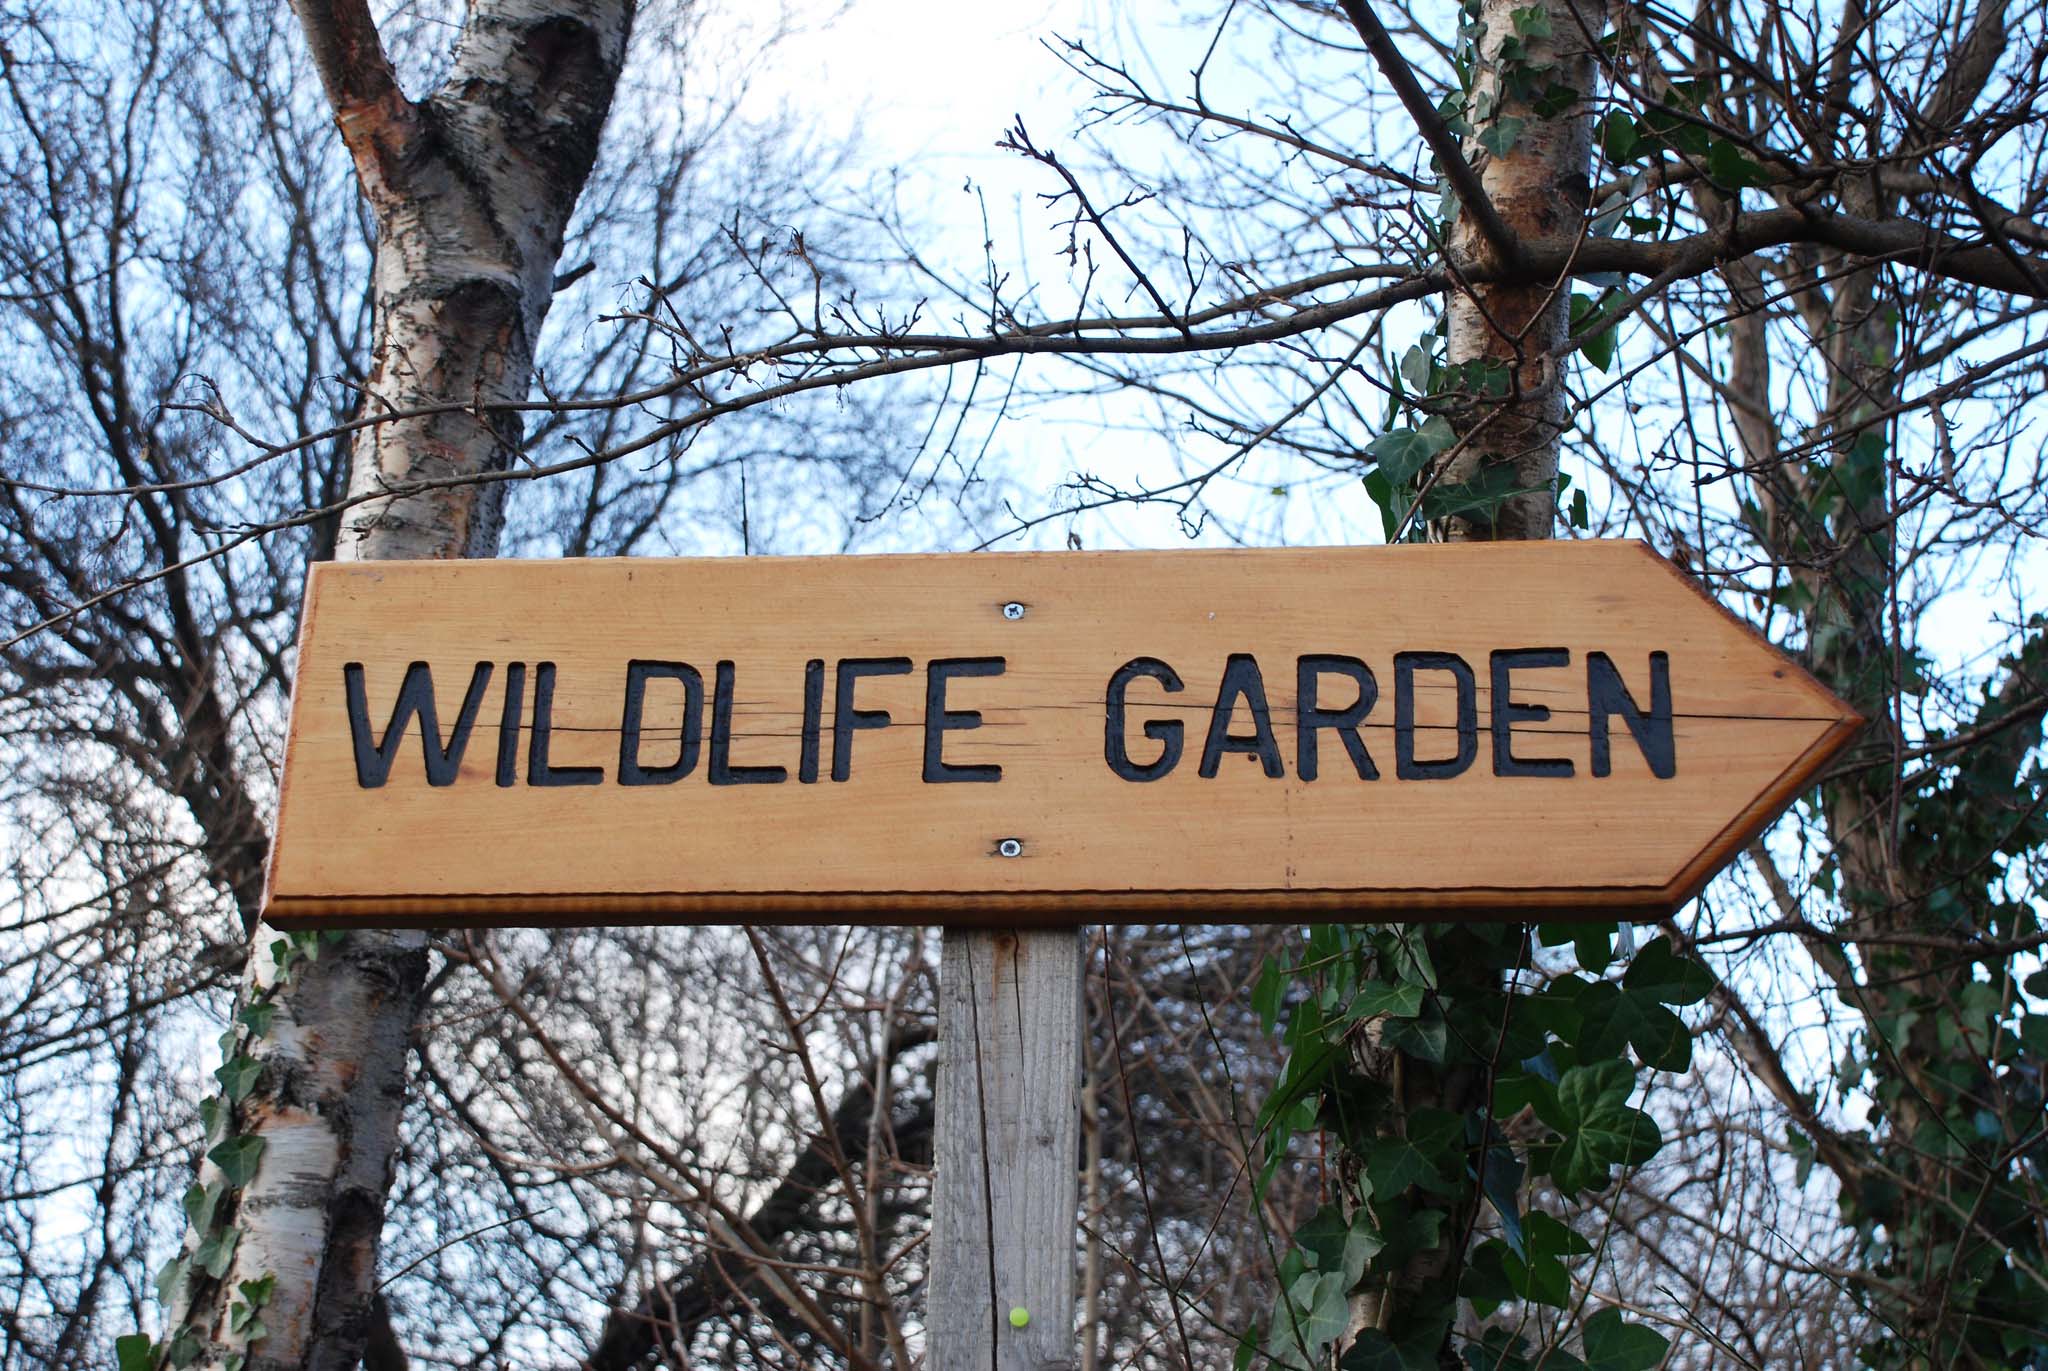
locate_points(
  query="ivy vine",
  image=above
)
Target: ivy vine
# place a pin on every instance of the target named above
(211, 1206)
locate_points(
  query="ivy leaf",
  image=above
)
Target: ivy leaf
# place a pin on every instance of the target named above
(1660, 1038)
(1320, 1314)
(1555, 100)
(1540, 1276)
(1394, 1000)
(237, 1076)
(1415, 369)
(258, 1017)
(1615, 1018)
(1658, 971)
(1426, 1036)
(1618, 138)
(1269, 993)
(1531, 21)
(1483, 1281)
(1500, 1179)
(1341, 1245)
(259, 1291)
(1322, 1237)
(1486, 492)
(1407, 951)
(213, 1115)
(1732, 169)
(1393, 507)
(184, 1349)
(1499, 136)
(134, 1352)
(169, 1277)
(1417, 1350)
(1402, 453)
(216, 1253)
(199, 1203)
(1538, 1282)
(1802, 1151)
(1680, 134)
(1612, 1345)
(1435, 1139)
(1599, 1129)
(237, 1158)
(1595, 342)
(1593, 944)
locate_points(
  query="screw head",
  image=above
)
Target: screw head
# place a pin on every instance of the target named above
(1010, 847)
(1013, 610)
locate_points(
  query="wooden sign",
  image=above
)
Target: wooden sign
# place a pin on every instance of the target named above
(1562, 729)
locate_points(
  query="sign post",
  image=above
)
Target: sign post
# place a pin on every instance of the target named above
(1023, 744)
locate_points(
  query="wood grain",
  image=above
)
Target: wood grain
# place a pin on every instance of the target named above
(1748, 730)
(1006, 1187)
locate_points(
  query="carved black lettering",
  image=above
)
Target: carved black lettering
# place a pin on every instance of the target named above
(939, 720)
(723, 772)
(845, 718)
(1166, 732)
(415, 698)
(638, 674)
(1310, 716)
(538, 772)
(1406, 765)
(1606, 697)
(814, 708)
(508, 724)
(1507, 712)
(1241, 680)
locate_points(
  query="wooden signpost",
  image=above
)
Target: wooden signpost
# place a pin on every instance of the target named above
(1023, 743)
(1030, 738)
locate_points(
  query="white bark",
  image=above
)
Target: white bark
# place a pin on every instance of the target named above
(473, 188)
(1540, 188)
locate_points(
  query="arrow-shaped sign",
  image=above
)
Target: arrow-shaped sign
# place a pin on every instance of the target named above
(1422, 732)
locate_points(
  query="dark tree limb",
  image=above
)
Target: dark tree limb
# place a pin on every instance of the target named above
(713, 1281)
(1450, 156)
(379, 125)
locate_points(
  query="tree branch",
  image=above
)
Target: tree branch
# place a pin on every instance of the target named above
(1449, 155)
(708, 1284)
(378, 124)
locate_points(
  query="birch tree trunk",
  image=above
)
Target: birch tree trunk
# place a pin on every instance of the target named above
(472, 188)
(1532, 185)
(1537, 173)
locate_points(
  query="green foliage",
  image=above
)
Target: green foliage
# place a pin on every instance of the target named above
(1418, 1175)
(1592, 326)
(210, 1208)
(1499, 136)
(237, 1158)
(1953, 1038)
(1612, 1345)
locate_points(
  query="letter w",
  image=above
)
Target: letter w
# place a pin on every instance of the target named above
(415, 696)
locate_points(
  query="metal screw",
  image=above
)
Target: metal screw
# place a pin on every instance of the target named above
(1013, 610)
(1010, 847)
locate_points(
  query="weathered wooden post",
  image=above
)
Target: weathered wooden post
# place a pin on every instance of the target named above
(1007, 1143)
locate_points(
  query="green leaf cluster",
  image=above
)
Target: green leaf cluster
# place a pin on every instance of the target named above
(1564, 1118)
